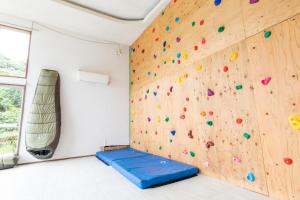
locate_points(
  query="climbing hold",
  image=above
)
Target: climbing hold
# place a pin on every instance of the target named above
(185, 151)
(178, 55)
(295, 121)
(266, 80)
(178, 39)
(171, 89)
(209, 123)
(238, 87)
(147, 91)
(210, 92)
(195, 47)
(182, 116)
(206, 164)
(250, 177)
(201, 22)
(154, 93)
(185, 56)
(267, 34)
(177, 19)
(209, 144)
(203, 41)
(236, 159)
(158, 119)
(288, 161)
(198, 68)
(239, 120)
(233, 56)
(164, 43)
(167, 119)
(170, 140)
(221, 29)
(217, 2)
(148, 119)
(192, 154)
(225, 69)
(190, 134)
(169, 156)
(253, 1)
(158, 106)
(246, 136)
(203, 114)
(187, 99)
(173, 132)
(211, 113)
(193, 23)
(160, 147)
(167, 28)
(184, 109)
(149, 73)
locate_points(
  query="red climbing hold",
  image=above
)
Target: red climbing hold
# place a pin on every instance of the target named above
(184, 109)
(203, 41)
(239, 120)
(225, 69)
(266, 80)
(187, 99)
(211, 113)
(178, 61)
(288, 161)
(201, 22)
(153, 30)
(169, 156)
(195, 47)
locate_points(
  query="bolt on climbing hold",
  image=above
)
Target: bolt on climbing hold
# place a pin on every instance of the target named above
(236, 159)
(167, 28)
(203, 114)
(250, 177)
(198, 68)
(266, 80)
(295, 121)
(253, 1)
(185, 56)
(160, 147)
(217, 2)
(246, 136)
(221, 29)
(177, 19)
(190, 134)
(288, 161)
(225, 68)
(193, 23)
(173, 132)
(209, 123)
(167, 119)
(209, 144)
(239, 120)
(233, 56)
(192, 154)
(238, 87)
(267, 34)
(210, 92)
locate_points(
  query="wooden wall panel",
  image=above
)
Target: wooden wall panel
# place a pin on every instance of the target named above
(168, 96)
(278, 57)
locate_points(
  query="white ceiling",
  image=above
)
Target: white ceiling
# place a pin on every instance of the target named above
(89, 24)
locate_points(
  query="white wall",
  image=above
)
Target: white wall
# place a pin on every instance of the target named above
(92, 114)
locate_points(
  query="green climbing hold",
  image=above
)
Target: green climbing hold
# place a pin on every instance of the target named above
(247, 136)
(173, 61)
(149, 73)
(160, 147)
(162, 13)
(192, 154)
(193, 23)
(165, 62)
(146, 132)
(221, 29)
(210, 123)
(147, 91)
(164, 49)
(238, 87)
(155, 74)
(167, 119)
(267, 34)
(170, 140)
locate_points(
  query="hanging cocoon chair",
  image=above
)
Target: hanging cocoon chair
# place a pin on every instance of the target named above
(43, 124)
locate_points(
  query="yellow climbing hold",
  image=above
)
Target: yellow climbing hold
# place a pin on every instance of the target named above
(158, 119)
(158, 106)
(198, 68)
(295, 121)
(185, 56)
(181, 79)
(233, 56)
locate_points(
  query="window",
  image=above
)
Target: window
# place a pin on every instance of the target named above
(14, 48)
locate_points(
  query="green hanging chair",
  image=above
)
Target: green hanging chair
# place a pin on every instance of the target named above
(44, 120)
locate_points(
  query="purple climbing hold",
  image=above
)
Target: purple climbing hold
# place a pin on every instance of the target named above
(178, 39)
(253, 1)
(154, 93)
(210, 92)
(164, 43)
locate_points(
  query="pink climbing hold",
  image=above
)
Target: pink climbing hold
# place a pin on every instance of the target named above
(210, 92)
(182, 116)
(266, 80)
(236, 159)
(185, 151)
(187, 99)
(203, 41)
(211, 113)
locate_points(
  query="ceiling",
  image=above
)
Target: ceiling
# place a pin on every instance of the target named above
(120, 21)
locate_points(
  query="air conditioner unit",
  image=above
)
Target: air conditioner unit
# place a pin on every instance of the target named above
(93, 77)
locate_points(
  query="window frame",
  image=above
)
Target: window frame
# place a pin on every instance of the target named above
(18, 81)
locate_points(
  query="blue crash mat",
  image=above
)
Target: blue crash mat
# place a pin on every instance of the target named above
(146, 170)
(109, 156)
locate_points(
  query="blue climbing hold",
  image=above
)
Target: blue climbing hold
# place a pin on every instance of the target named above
(250, 177)
(178, 55)
(173, 132)
(218, 2)
(154, 93)
(167, 28)
(177, 19)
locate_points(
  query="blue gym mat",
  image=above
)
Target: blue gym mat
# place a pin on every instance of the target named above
(146, 170)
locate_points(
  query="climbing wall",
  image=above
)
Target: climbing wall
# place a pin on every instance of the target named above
(215, 84)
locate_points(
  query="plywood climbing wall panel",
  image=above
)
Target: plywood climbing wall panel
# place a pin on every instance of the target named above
(275, 70)
(204, 93)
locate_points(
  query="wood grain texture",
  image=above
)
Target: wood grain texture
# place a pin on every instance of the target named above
(170, 93)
